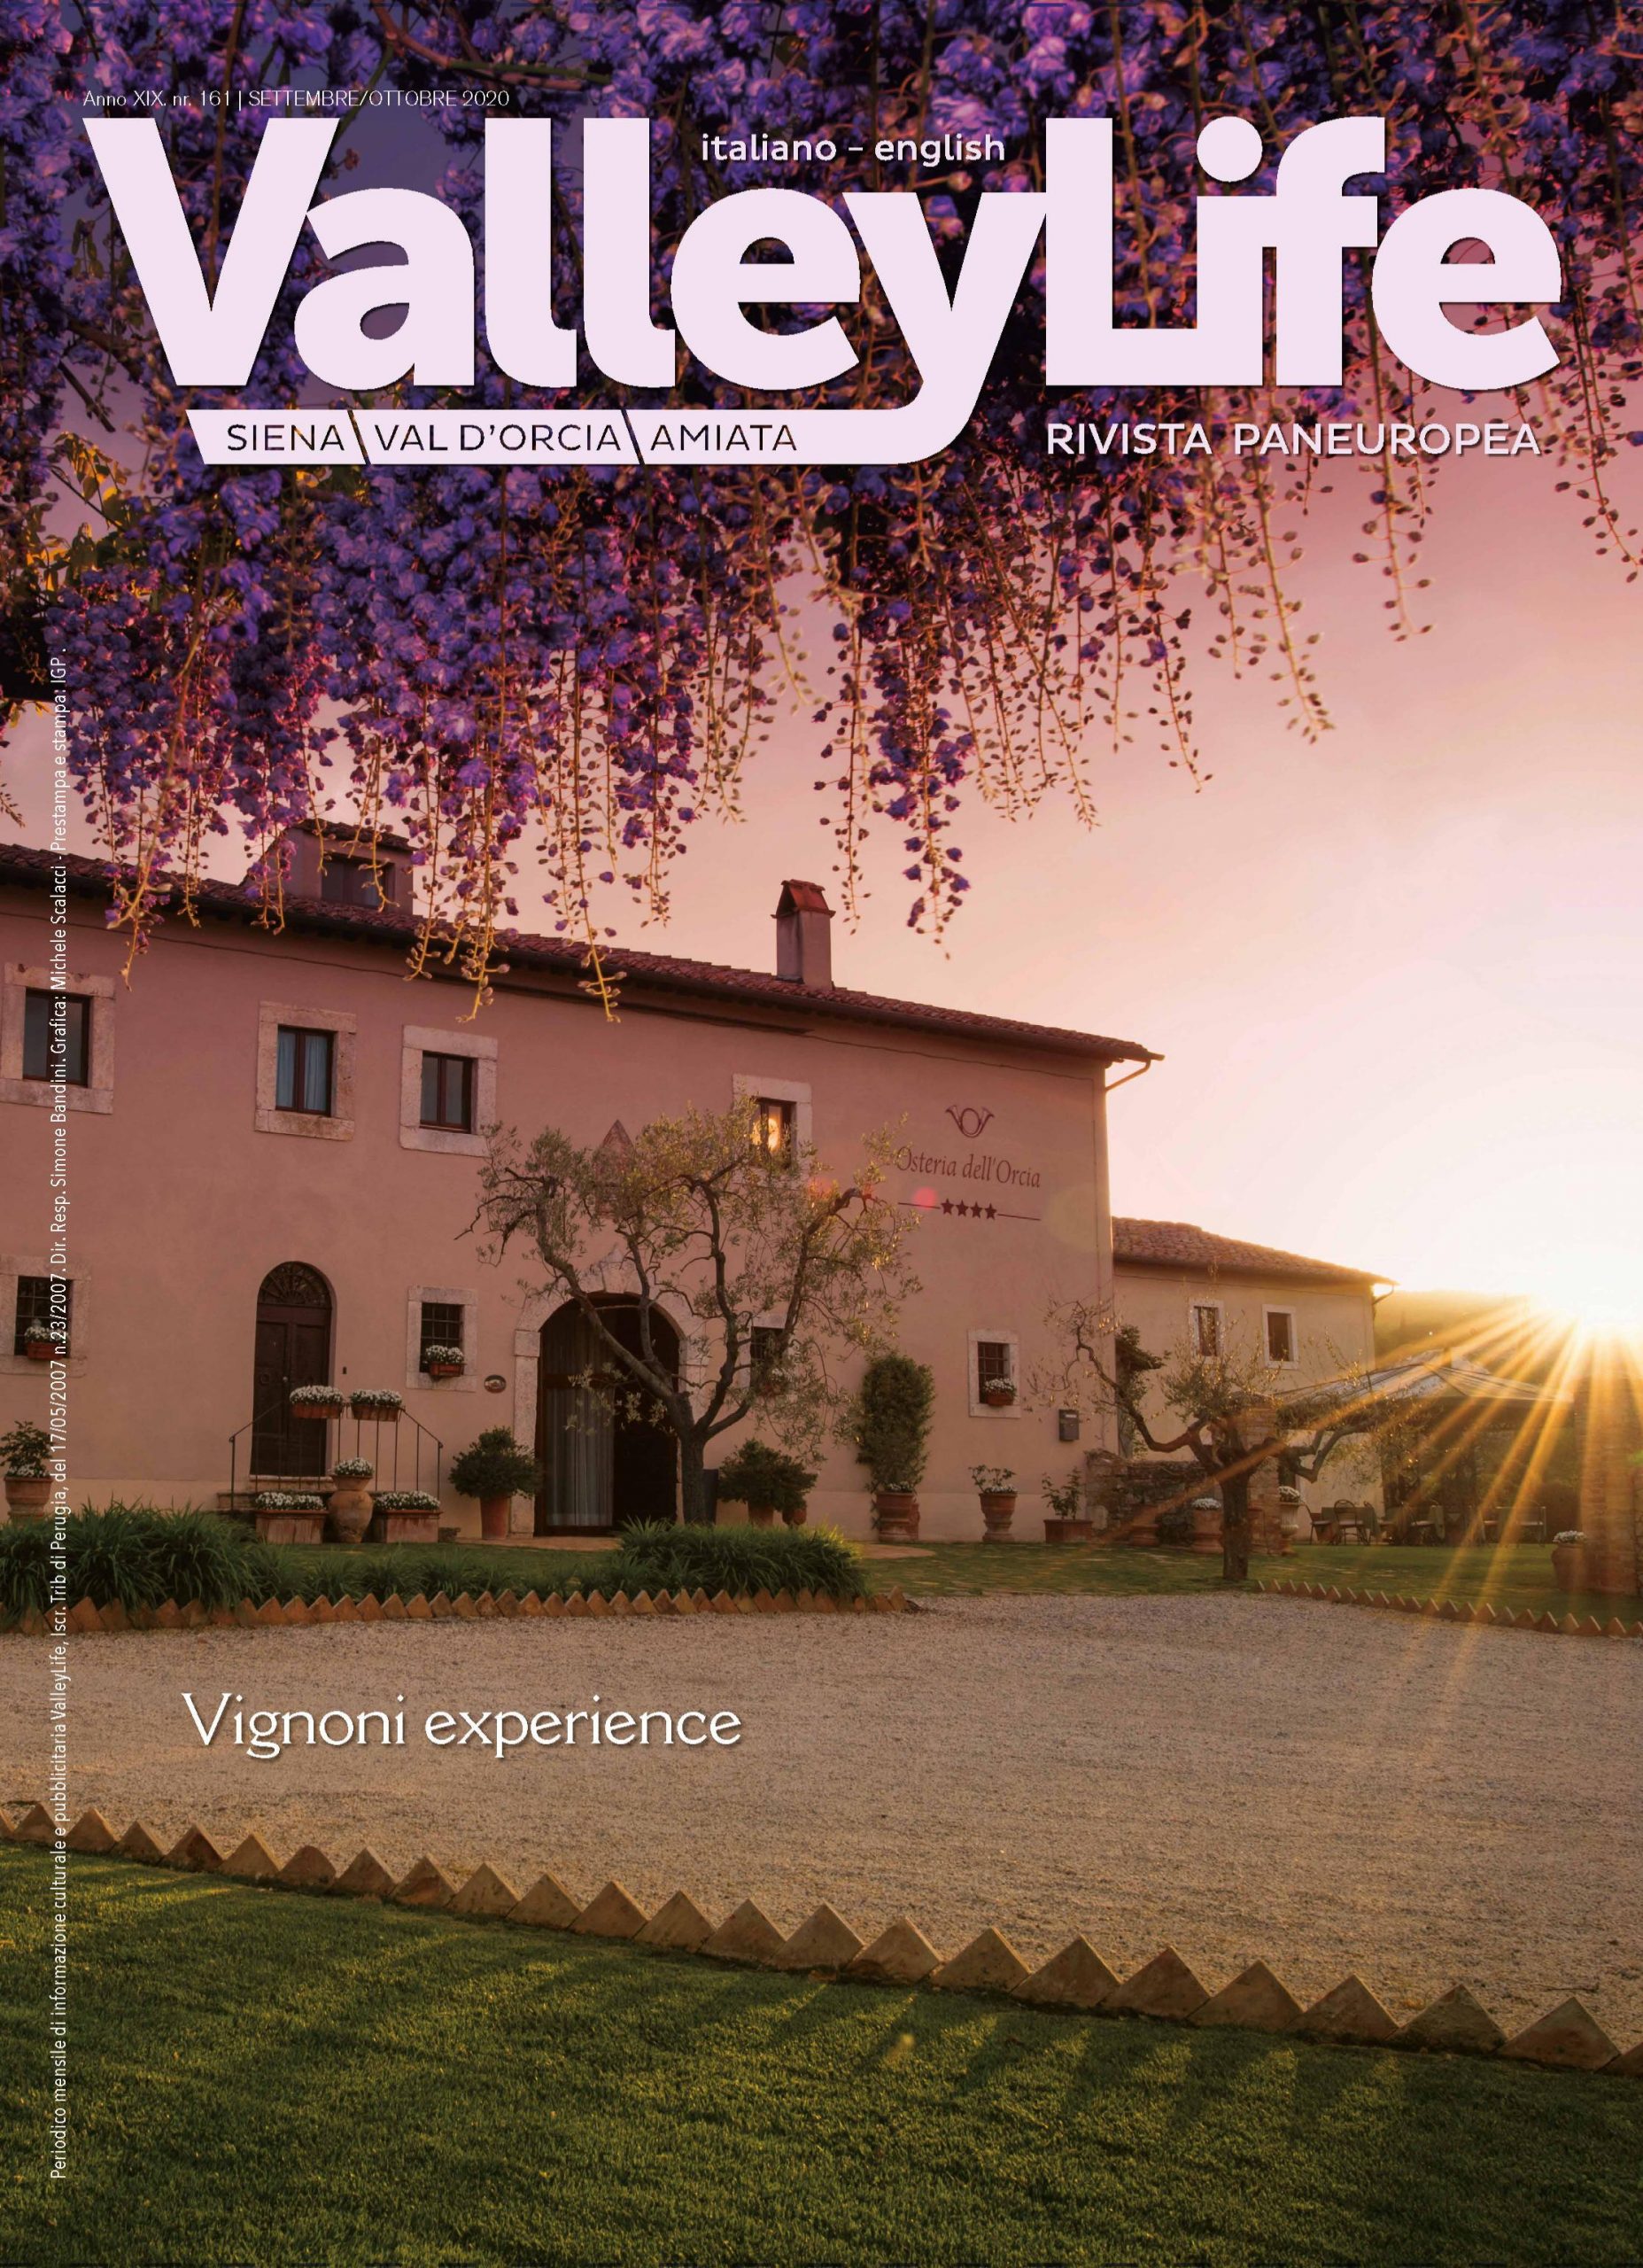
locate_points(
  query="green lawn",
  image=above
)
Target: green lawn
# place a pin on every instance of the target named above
(259, 2077)
(1512, 1576)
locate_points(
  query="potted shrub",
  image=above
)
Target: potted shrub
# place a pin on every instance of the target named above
(288, 1516)
(767, 1482)
(407, 1516)
(998, 1394)
(42, 1339)
(318, 1402)
(495, 1469)
(995, 1484)
(891, 1424)
(1204, 1526)
(376, 1405)
(444, 1362)
(1568, 1560)
(352, 1504)
(1067, 1521)
(23, 1454)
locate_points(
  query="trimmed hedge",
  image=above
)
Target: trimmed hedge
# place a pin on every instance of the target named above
(139, 1557)
(661, 1556)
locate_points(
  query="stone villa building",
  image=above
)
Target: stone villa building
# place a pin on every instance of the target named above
(275, 1140)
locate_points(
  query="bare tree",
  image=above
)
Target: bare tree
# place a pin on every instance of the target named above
(709, 1218)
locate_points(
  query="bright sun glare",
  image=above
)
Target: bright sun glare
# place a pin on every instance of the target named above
(1597, 1289)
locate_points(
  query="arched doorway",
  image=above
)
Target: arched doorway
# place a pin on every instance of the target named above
(602, 1469)
(293, 1348)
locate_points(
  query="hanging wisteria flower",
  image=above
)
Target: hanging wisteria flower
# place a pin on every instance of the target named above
(573, 663)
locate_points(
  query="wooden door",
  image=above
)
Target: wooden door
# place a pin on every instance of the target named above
(293, 1348)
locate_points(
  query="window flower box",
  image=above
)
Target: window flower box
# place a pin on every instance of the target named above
(999, 1394)
(376, 1405)
(444, 1362)
(318, 1402)
(43, 1341)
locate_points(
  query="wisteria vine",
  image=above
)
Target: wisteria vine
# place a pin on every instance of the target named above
(571, 665)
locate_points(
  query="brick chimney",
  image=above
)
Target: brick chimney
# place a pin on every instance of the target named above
(803, 939)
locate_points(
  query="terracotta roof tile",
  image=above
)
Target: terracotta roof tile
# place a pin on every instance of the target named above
(1180, 1245)
(389, 925)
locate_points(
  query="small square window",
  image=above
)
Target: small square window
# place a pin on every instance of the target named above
(35, 1319)
(448, 1092)
(1280, 1335)
(351, 882)
(765, 1353)
(303, 1077)
(1206, 1330)
(775, 1124)
(995, 1367)
(38, 1062)
(441, 1326)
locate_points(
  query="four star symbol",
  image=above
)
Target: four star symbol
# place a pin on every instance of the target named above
(971, 1212)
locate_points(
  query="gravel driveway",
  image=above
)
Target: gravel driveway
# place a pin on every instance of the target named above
(1328, 1789)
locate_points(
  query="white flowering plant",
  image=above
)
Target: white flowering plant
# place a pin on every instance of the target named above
(352, 1468)
(286, 1500)
(407, 1500)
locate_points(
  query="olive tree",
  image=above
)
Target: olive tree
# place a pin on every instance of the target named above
(1231, 1417)
(699, 1219)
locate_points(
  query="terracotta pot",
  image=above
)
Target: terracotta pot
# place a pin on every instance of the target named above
(998, 1397)
(1081, 1531)
(1570, 1566)
(317, 1413)
(797, 1519)
(1207, 1530)
(761, 1516)
(350, 1511)
(289, 1526)
(27, 1498)
(406, 1528)
(895, 1515)
(376, 1413)
(998, 1511)
(41, 1350)
(447, 1369)
(494, 1513)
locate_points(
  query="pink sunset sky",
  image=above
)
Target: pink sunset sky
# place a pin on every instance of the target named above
(1397, 975)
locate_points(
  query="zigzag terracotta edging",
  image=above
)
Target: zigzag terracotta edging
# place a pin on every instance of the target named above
(1567, 2037)
(1452, 1609)
(84, 1619)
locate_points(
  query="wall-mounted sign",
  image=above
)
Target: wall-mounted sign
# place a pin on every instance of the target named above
(980, 1165)
(496, 1383)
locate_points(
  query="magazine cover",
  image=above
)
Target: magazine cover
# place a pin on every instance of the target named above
(821, 1254)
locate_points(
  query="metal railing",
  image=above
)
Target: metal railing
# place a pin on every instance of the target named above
(282, 1445)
